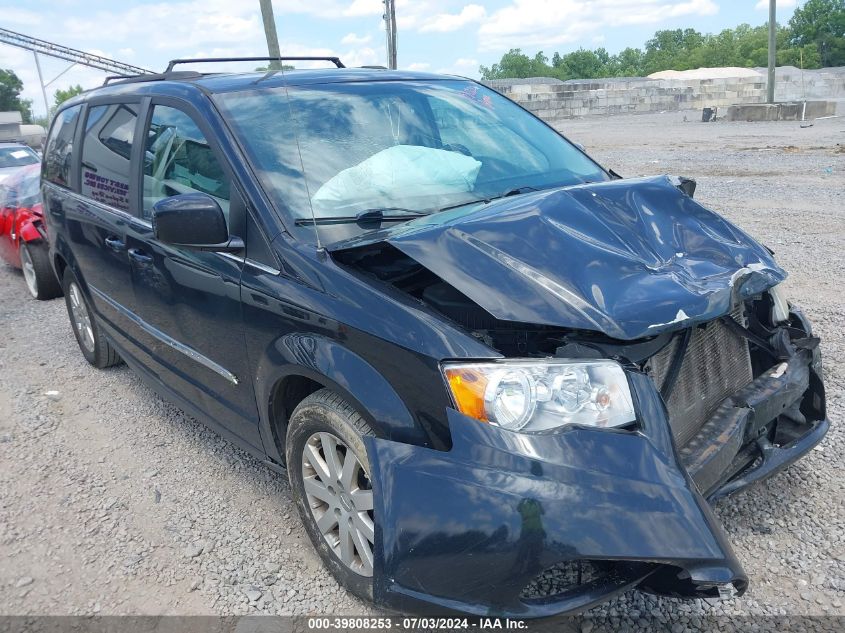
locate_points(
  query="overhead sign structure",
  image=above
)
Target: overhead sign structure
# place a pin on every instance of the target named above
(72, 55)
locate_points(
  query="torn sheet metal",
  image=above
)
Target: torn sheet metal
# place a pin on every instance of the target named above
(630, 258)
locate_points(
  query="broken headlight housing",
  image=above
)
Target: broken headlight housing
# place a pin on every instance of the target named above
(780, 305)
(540, 395)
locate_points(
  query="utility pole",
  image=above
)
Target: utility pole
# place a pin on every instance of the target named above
(770, 86)
(270, 33)
(390, 30)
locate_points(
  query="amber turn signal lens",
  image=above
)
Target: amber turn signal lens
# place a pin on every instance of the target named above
(468, 387)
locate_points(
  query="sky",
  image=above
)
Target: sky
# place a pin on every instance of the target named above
(449, 36)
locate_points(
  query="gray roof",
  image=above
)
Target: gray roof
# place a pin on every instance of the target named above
(11, 117)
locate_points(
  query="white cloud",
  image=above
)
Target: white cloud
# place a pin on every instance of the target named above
(356, 40)
(13, 16)
(327, 9)
(418, 66)
(364, 56)
(445, 22)
(463, 66)
(193, 24)
(763, 5)
(536, 23)
(363, 7)
(410, 13)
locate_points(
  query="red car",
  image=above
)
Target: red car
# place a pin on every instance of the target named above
(23, 240)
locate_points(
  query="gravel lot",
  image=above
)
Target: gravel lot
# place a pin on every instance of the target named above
(114, 502)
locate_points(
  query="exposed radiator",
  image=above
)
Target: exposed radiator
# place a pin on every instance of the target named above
(717, 364)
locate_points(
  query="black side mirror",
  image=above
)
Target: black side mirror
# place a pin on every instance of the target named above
(194, 221)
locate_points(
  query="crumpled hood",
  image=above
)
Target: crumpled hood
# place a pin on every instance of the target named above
(630, 258)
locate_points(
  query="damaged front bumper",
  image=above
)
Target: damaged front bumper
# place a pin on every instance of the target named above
(525, 525)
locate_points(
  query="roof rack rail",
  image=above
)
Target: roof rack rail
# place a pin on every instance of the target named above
(121, 79)
(112, 78)
(173, 62)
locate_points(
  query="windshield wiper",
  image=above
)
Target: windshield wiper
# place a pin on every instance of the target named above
(365, 218)
(376, 216)
(513, 191)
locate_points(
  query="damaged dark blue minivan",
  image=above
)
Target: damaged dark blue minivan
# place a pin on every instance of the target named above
(501, 378)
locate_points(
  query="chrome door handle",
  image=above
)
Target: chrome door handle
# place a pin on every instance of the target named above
(140, 258)
(115, 244)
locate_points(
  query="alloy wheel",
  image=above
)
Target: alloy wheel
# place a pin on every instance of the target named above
(81, 318)
(29, 272)
(340, 496)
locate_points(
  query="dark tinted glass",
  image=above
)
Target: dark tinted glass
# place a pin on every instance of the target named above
(178, 159)
(58, 152)
(106, 148)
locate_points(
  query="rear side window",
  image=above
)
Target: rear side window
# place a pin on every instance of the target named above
(106, 148)
(58, 152)
(178, 159)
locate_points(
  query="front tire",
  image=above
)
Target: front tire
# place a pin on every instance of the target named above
(92, 343)
(329, 473)
(37, 273)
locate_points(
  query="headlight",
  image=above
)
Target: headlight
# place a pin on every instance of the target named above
(780, 306)
(537, 395)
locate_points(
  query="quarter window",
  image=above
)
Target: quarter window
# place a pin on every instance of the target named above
(106, 148)
(178, 159)
(57, 153)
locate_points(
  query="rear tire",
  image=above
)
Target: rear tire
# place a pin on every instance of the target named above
(38, 273)
(333, 494)
(92, 343)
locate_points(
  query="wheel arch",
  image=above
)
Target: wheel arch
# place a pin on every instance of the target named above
(297, 365)
(62, 259)
(59, 265)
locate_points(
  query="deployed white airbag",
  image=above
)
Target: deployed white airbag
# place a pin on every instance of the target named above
(398, 173)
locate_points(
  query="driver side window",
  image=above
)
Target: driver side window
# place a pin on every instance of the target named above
(178, 159)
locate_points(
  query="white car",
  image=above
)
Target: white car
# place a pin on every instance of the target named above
(13, 156)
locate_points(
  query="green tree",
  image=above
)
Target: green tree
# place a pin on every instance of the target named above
(63, 95)
(515, 64)
(628, 63)
(821, 23)
(582, 64)
(815, 37)
(671, 49)
(10, 95)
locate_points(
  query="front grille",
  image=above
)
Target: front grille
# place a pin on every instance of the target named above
(717, 364)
